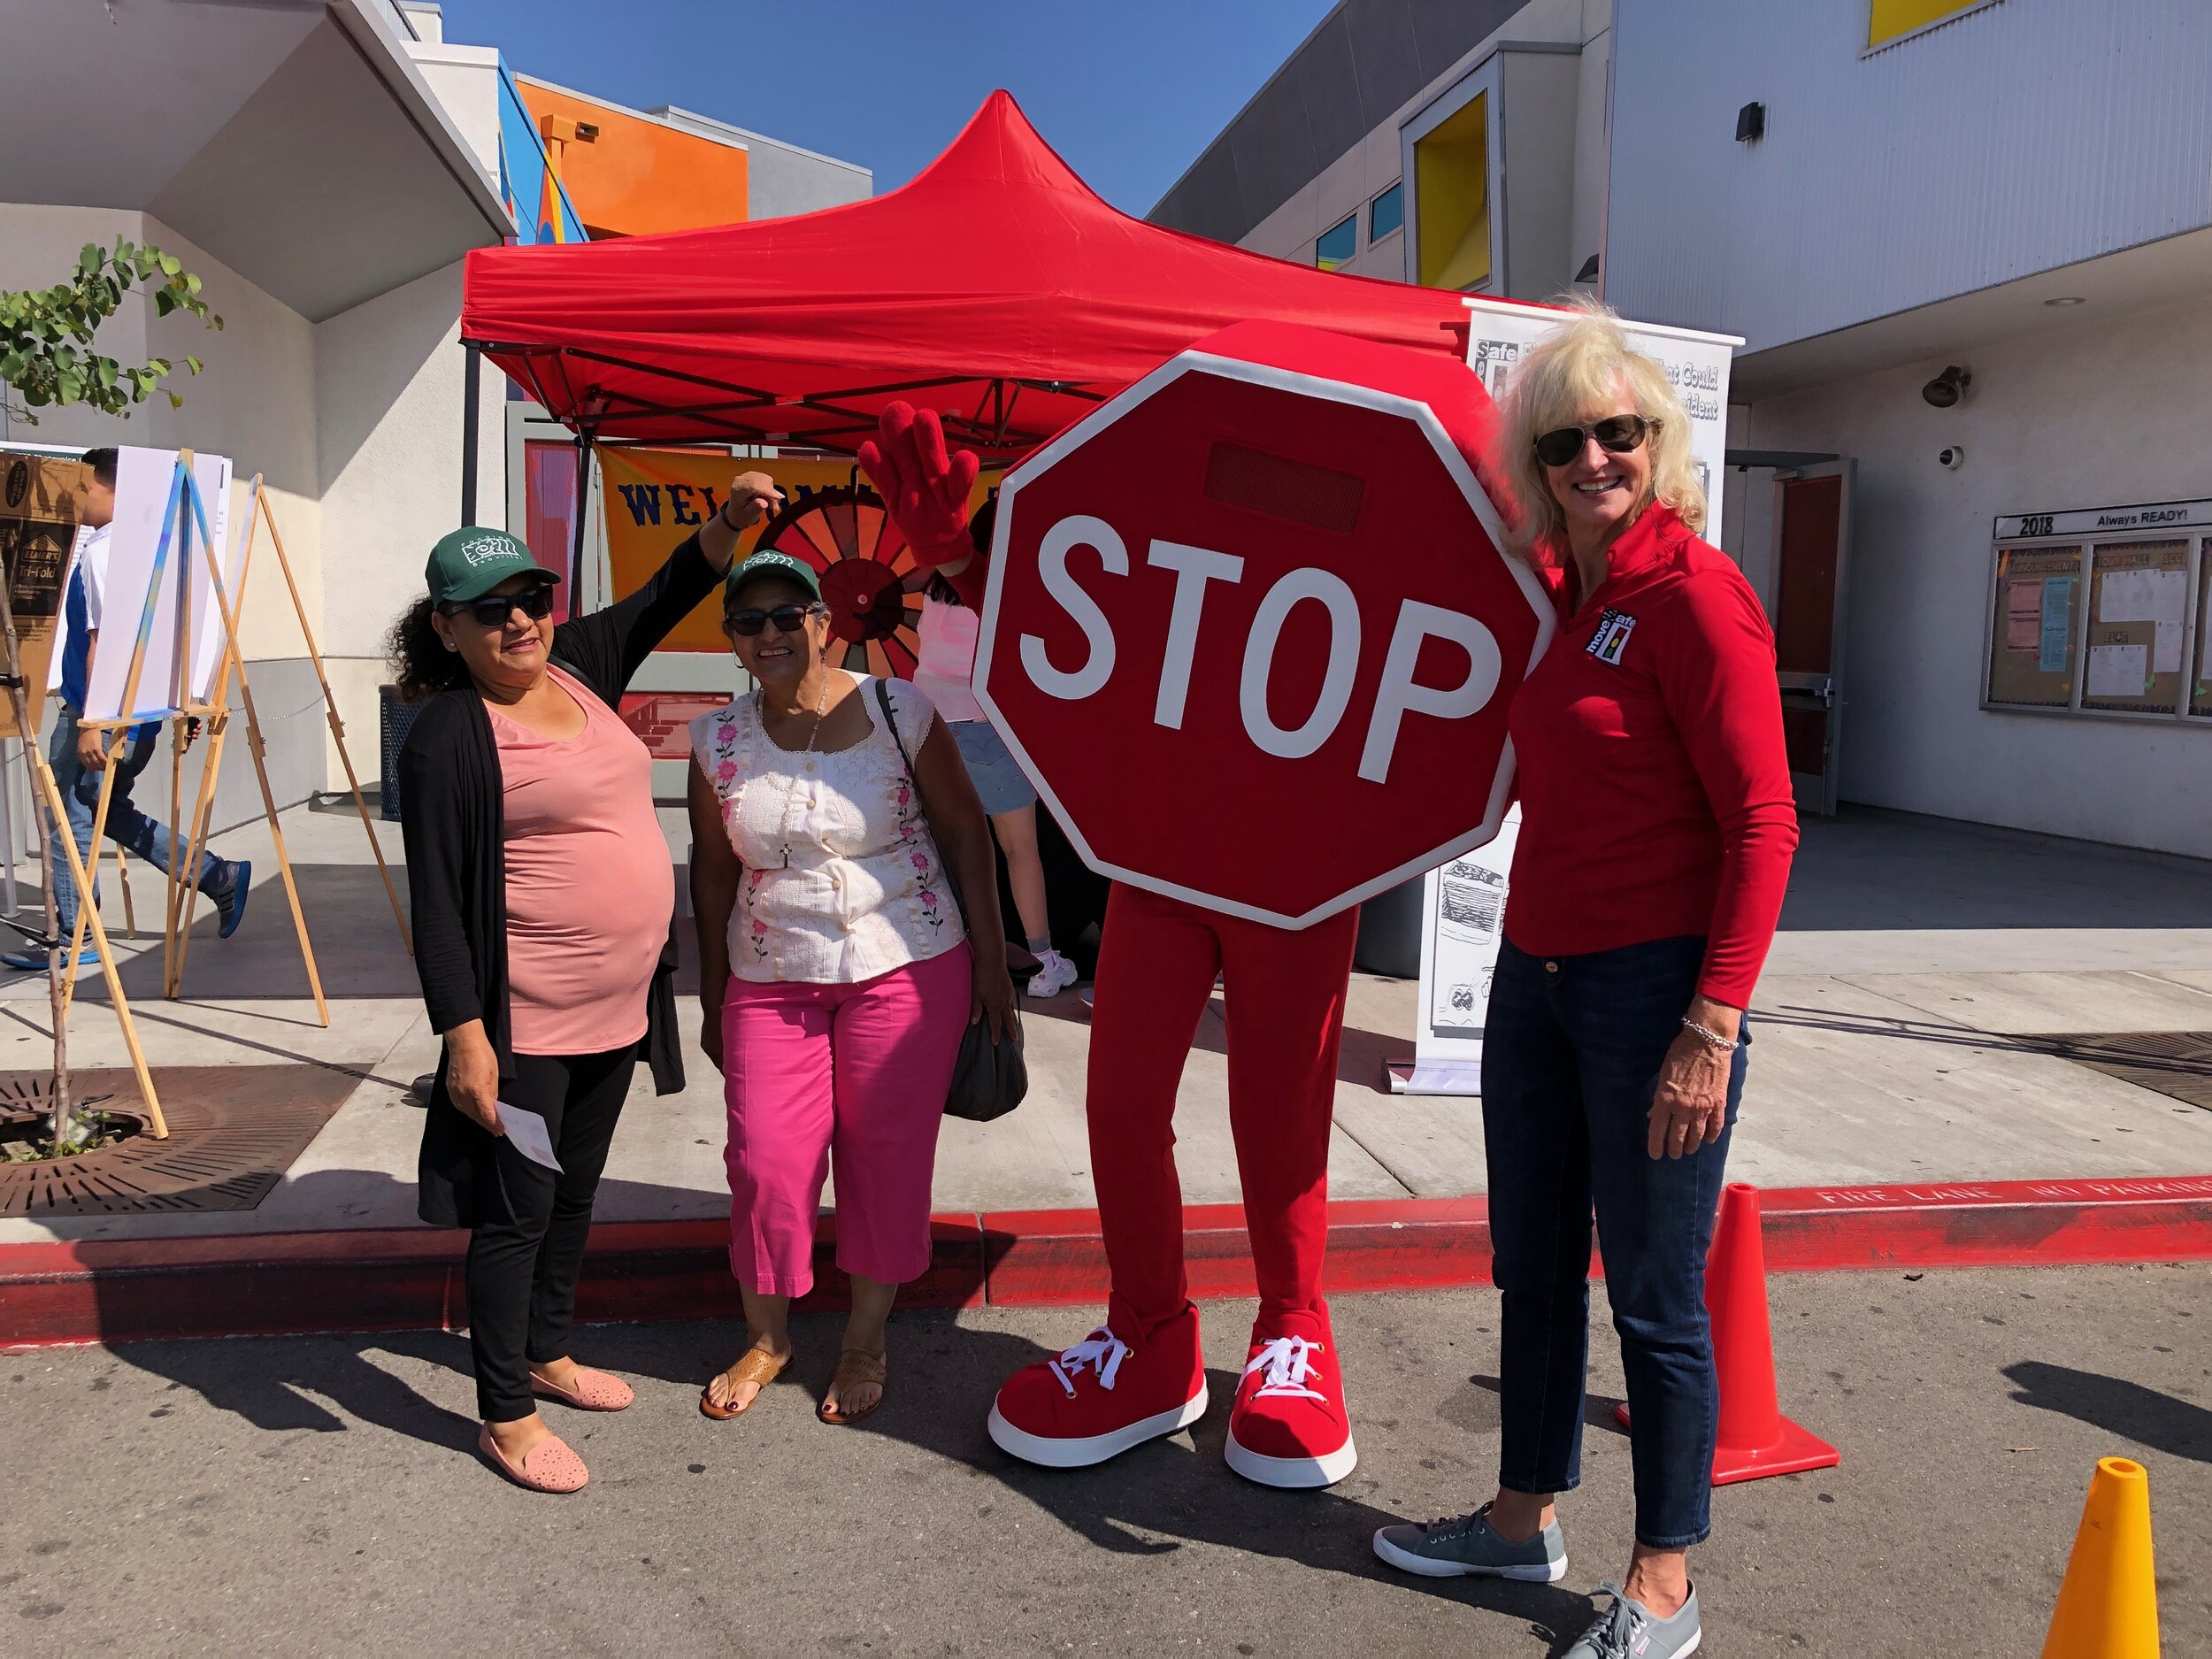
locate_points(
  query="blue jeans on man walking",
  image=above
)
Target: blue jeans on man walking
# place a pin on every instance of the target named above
(1571, 1055)
(127, 825)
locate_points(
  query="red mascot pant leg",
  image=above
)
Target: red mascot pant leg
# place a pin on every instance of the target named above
(1285, 996)
(1158, 959)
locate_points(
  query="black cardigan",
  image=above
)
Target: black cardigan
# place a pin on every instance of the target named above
(450, 790)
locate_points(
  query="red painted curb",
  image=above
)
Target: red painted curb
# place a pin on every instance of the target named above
(410, 1278)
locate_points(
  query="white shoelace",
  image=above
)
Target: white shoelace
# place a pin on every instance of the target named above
(1102, 1350)
(1288, 1361)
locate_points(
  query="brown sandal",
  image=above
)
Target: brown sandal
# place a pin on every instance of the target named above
(854, 1367)
(758, 1365)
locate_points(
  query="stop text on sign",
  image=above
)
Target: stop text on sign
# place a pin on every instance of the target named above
(1195, 569)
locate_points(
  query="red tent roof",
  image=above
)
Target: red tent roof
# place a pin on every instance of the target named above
(996, 287)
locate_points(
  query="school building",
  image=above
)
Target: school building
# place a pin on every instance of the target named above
(1966, 246)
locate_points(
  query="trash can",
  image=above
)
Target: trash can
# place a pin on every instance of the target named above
(1389, 939)
(395, 717)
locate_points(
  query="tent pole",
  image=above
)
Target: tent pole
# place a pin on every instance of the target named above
(471, 384)
(583, 500)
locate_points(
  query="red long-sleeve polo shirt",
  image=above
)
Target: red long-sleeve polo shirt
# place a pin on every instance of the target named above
(1655, 797)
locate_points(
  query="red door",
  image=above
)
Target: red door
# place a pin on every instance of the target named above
(1813, 540)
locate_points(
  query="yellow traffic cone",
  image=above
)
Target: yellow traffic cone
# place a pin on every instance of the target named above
(2107, 1607)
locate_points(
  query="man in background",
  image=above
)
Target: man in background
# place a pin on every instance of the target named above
(79, 757)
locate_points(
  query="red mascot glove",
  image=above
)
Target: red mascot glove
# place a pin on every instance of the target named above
(925, 488)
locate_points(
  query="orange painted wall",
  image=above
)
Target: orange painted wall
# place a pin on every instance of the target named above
(641, 176)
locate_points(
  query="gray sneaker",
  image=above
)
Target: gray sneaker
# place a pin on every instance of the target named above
(1629, 1630)
(1464, 1546)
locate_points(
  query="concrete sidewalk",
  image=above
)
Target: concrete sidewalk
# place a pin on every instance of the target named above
(1913, 951)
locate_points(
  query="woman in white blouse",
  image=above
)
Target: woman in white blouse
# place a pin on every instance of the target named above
(835, 975)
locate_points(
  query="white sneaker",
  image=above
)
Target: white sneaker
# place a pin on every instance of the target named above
(1055, 974)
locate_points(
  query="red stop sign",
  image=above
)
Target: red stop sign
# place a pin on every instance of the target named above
(1251, 629)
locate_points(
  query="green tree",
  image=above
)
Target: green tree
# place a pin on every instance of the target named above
(46, 355)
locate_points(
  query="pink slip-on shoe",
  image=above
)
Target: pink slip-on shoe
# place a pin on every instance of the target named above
(594, 1391)
(550, 1465)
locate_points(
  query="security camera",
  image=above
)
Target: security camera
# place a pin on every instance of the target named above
(1951, 457)
(1945, 390)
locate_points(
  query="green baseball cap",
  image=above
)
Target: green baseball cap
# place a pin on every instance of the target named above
(470, 562)
(782, 564)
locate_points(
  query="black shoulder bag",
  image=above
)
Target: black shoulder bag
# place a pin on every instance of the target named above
(990, 1077)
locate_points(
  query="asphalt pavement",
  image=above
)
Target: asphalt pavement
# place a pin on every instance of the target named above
(320, 1495)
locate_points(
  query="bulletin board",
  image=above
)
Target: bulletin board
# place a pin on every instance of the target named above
(2031, 655)
(2200, 691)
(2139, 610)
(2103, 611)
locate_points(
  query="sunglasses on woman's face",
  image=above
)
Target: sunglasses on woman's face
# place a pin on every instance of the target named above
(534, 602)
(1617, 434)
(747, 625)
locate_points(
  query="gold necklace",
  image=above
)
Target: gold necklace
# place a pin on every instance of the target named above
(791, 789)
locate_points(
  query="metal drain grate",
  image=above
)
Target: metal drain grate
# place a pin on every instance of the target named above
(2176, 1063)
(233, 1130)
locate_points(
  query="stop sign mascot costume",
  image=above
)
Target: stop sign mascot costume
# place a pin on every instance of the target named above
(1250, 628)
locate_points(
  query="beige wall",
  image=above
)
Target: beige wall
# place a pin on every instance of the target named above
(254, 401)
(2097, 415)
(355, 421)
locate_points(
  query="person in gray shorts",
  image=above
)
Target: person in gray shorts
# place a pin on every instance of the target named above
(945, 674)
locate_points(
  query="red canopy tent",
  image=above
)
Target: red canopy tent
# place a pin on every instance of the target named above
(995, 287)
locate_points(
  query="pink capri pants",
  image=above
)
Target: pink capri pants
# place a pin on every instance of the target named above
(860, 1070)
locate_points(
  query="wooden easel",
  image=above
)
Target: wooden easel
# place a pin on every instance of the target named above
(260, 513)
(185, 852)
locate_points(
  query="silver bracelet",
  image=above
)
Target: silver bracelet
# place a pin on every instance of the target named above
(1711, 1038)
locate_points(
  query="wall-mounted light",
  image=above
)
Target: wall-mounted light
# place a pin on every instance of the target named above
(1751, 123)
(1945, 390)
(1589, 272)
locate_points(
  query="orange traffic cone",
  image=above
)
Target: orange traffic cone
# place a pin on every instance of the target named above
(2107, 1607)
(1756, 1439)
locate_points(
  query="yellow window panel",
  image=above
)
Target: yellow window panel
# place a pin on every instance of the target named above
(1451, 185)
(1886, 20)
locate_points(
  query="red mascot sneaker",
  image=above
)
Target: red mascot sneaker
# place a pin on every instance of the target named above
(1289, 1427)
(1102, 1396)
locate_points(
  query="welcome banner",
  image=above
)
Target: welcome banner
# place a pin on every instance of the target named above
(657, 497)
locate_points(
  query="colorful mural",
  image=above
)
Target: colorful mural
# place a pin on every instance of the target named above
(528, 185)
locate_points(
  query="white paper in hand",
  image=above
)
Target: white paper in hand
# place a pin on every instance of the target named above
(527, 1132)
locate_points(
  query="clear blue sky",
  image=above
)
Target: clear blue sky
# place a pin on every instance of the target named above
(1130, 91)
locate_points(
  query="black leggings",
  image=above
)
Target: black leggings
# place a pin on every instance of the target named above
(527, 1250)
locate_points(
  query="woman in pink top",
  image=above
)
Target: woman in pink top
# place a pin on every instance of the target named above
(544, 899)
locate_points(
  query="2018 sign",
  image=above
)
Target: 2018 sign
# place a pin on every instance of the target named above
(1251, 627)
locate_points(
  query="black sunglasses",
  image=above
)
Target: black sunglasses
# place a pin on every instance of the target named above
(534, 602)
(789, 619)
(1617, 434)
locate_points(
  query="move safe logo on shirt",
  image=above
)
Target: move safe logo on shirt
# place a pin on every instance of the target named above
(1611, 639)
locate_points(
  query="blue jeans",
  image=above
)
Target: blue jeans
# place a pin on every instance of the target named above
(1570, 1057)
(127, 825)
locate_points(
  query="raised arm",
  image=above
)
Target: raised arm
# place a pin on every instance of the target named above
(609, 645)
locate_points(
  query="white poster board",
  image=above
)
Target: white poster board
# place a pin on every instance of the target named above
(141, 500)
(1463, 905)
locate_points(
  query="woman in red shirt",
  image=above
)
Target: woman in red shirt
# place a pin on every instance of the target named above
(1657, 824)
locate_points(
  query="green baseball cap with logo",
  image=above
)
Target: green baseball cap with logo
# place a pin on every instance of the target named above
(470, 562)
(780, 564)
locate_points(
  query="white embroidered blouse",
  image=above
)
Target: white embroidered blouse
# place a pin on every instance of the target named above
(841, 880)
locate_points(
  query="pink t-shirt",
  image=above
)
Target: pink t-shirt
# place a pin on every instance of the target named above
(590, 884)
